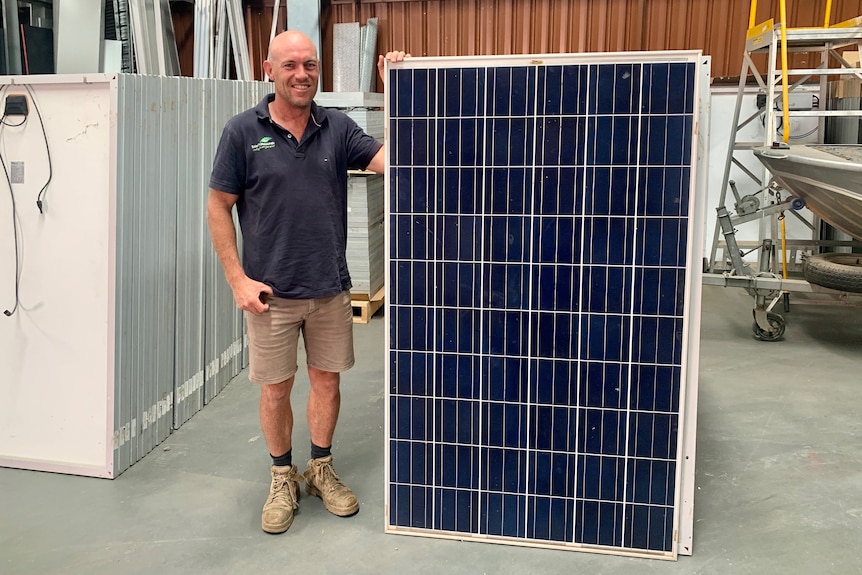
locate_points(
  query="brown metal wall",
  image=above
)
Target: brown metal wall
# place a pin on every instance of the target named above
(470, 27)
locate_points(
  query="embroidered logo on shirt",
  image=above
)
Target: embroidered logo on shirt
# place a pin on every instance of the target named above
(265, 143)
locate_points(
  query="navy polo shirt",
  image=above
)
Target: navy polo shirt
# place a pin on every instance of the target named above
(292, 202)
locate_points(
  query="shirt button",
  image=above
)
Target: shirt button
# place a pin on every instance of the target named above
(289, 137)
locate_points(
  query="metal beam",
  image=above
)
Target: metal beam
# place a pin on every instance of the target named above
(304, 16)
(11, 36)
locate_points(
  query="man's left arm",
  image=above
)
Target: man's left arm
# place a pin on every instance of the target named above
(378, 162)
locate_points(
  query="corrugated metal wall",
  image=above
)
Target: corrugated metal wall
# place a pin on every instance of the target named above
(478, 27)
(471, 27)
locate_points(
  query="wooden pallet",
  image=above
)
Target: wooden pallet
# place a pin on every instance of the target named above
(364, 307)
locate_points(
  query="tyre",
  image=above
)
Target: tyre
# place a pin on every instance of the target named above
(776, 322)
(838, 271)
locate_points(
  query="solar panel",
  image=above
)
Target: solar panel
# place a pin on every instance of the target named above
(543, 299)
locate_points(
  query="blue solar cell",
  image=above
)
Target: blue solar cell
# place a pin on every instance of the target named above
(601, 477)
(598, 523)
(511, 91)
(409, 373)
(661, 242)
(602, 431)
(461, 141)
(424, 82)
(650, 481)
(660, 291)
(509, 141)
(506, 379)
(664, 191)
(603, 384)
(502, 514)
(457, 510)
(604, 337)
(655, 388)
(403, 94)
(680, 89)
(649, 527)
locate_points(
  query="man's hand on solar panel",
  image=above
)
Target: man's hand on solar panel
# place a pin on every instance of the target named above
(395, 56)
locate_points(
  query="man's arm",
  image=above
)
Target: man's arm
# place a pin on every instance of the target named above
(378, 162)
(246, 291)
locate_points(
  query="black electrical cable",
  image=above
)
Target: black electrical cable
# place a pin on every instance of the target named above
(5, 123)
(47, 150)
(8, 313)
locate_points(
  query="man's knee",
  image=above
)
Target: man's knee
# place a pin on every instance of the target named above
(324, 382)
(277, 392)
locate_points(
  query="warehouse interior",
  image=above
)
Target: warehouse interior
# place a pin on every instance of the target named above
(129, 431)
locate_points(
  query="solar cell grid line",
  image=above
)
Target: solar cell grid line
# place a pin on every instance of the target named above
(553, 441)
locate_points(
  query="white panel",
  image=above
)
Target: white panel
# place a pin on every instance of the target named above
(55, 349)
(112, 56)
(78, 33)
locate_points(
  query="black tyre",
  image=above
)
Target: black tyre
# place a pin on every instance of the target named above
(841, 272)
(776, 322)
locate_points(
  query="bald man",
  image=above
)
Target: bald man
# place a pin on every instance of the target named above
(284, 164)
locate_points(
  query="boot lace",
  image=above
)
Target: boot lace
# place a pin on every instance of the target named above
(282, 489)
(328, 478)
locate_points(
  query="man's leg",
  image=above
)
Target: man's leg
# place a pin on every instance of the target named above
(328, 333)
(273, 339)
(276, 416)
(324, 402)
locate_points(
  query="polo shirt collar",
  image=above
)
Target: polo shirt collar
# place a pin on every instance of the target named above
(318, 114)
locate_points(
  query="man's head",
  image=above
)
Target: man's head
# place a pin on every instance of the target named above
(293, 66)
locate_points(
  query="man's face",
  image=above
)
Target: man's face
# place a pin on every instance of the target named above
(295, 71)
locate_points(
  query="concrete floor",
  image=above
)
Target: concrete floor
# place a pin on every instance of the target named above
(779, 477)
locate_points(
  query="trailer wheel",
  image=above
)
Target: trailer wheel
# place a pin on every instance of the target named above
(838, 271)
(776, 322)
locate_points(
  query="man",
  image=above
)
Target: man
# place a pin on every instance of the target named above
(284, 165)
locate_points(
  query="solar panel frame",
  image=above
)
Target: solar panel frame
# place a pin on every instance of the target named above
(464, 336)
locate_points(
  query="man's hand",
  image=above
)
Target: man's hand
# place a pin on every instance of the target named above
(395, 56)
(250, 295)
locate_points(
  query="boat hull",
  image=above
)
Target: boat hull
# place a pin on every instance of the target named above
(827, 177)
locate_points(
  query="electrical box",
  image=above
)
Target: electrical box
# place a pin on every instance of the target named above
(796, 101)
(15, 105)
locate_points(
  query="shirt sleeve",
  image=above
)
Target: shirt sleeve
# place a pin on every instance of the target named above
(361, 148)
(229, 165)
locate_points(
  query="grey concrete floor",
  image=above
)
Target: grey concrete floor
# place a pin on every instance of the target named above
(779, 477)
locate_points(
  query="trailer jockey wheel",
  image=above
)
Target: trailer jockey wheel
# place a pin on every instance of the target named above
(776, 322)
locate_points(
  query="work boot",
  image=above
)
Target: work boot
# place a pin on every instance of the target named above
(322, 481)
(283, 500)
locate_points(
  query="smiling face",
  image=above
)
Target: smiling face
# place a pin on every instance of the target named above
(293, 66)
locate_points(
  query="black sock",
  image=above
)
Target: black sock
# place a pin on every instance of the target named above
(283, 460)
(320, 452)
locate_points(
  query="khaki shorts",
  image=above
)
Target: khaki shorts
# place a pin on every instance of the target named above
(273, 337)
